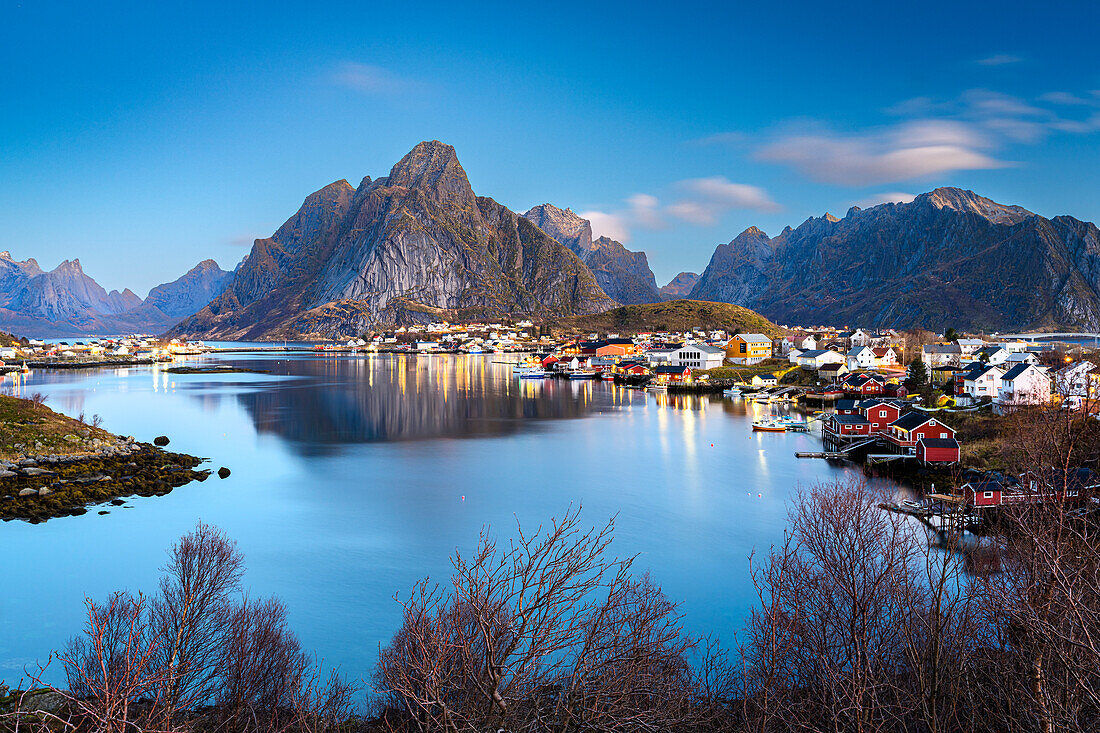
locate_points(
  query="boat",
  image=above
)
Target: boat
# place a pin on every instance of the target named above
(533, 374)
(526, 365)
(732, 392)
(658, 387)
(912, 504)
(607, 377)
(769, 426)
(583, 374)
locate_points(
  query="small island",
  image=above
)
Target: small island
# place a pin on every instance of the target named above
(214, 369)
(52, 465)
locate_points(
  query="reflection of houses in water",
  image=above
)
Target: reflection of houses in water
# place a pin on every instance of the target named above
(383, 398)
(378, 398)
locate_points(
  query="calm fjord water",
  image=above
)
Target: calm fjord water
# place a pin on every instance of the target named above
(353, 477)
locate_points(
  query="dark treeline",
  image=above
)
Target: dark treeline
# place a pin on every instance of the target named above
(860, 624)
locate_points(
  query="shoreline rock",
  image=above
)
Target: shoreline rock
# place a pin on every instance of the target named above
(72, 483)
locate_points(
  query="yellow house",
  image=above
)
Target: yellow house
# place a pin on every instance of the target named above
(749, 348)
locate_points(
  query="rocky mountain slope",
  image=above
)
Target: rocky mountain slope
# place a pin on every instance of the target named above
(624, 275)
(66, 301)
(948, 258)
(679, 286)
(393, 250)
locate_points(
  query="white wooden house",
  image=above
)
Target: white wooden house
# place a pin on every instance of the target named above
(1023, 384)
(860, 357)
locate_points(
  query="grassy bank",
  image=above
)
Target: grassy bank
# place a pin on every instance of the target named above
(29, 426)
(52, 465)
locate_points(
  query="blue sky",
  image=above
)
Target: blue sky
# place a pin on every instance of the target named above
(144, 137)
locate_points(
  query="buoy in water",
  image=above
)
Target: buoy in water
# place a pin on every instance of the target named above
(463, 497)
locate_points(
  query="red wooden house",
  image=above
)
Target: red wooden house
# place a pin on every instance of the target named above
(848, 426)
(634, 369)
(911, 427)
(847, 407)
(880, 413)
(990, 493)
(863, 385)
(937, 450)
(666, 374)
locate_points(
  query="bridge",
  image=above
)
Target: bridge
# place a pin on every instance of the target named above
(1078, 336)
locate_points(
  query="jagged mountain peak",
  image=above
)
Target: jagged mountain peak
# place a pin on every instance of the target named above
(752, 232)
(68, 267)
(964, 200)
(830, 217)
(624, 275)
(563, 225)
(399, 250)
(432, 166)
(332, 190)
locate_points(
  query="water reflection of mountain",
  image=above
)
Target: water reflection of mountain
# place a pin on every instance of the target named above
(388, 398)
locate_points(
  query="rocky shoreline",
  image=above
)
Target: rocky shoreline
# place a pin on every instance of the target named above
(36, 487)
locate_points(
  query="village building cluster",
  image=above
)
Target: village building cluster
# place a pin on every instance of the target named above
(129, 348)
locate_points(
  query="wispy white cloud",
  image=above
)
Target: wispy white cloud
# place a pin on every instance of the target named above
(369, 78)
(706, 199)
(615, 226)
(968, 132)
(1066, 99)
(243, 240)
(645, 210)
(917, 149)
(999, 59)
(700, 201)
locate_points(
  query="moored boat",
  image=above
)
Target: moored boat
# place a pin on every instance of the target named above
(769, 426)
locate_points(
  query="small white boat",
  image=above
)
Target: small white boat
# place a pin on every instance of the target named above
(769, 426)
(732, 392)
(533, 374)
(583, 374)
(657, 387)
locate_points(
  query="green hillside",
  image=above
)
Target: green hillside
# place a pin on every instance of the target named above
(674, 315)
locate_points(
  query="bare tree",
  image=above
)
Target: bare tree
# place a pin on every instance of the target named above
(825, 645)
(201, 577)
(546, 633)
(112, 666)
(261, 669)
(1045, 608)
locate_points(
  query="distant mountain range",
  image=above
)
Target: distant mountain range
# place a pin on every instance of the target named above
(679, 286)
(949, 258)
(397, 250)
(66, 301)
(420, 245)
